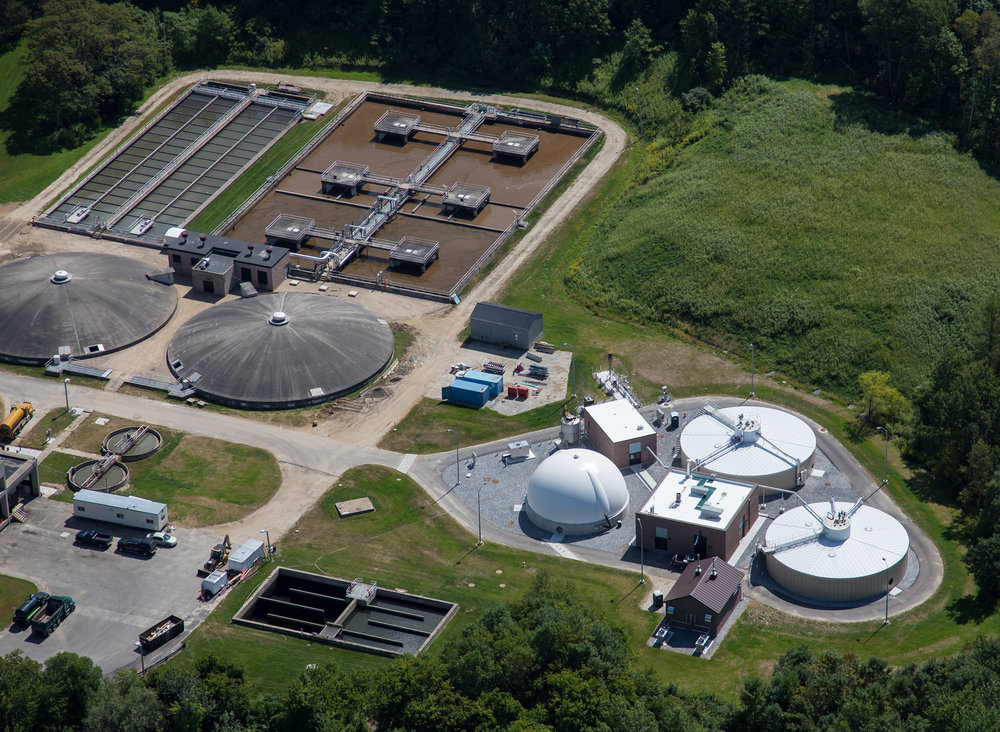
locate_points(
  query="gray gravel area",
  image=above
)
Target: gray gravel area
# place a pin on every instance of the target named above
(499, 489)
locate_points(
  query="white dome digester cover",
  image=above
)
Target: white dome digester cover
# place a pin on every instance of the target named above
(576, 491)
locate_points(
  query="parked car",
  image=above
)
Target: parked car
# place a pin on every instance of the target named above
(162, 538)
(93, 537)
(137, 545)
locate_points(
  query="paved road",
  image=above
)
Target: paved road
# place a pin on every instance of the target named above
(309, 462)
(117, 596)
(314, 462)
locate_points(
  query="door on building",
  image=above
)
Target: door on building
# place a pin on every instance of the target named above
(209, 286)
(699, 546)
(635, 453)
(661, 538)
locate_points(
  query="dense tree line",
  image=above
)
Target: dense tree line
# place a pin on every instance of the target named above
(940, 58)
(956, 438)
(543, 663)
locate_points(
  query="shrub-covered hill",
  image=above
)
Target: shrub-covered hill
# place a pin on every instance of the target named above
(812, 225)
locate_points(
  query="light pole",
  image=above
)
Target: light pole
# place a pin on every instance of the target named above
(751, 370)
(268, 537)
(572, 376)
(458, 467)
(66, 390)
(642, 556)
(479, 513)
(885, 474)
(888, 583)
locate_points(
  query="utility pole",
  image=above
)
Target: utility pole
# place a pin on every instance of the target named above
(458, 467)
(751, 370)
(642, 556)
(885, 473)
(642, 134)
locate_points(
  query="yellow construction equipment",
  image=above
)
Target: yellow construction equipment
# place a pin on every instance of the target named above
(13, 422)
(219, 556)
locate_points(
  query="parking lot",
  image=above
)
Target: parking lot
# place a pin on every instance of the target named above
(117, 595)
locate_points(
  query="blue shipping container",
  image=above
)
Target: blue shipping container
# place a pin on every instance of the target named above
(465, 392)
(493, 381)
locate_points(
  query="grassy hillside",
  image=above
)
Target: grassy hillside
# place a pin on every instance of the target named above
(796, 224)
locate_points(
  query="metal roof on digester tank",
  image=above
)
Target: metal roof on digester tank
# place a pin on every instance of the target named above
(106, 300)
(328, 346)
(876, 541)
(706, 436)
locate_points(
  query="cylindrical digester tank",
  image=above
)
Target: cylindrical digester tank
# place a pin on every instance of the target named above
(838, 559)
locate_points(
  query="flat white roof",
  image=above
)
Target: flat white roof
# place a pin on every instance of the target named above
(705, 501)
(876, 541)
(620, 420)
(133, 503)
(247, 548)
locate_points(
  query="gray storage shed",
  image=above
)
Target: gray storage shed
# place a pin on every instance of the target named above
(505, 325)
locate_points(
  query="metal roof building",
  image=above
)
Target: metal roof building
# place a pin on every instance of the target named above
(79, 305)
(504, 325)
(836, 551)
(751, 444)
(705, 595)
(281, 350)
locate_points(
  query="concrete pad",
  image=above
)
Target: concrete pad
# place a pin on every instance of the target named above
(354, 507)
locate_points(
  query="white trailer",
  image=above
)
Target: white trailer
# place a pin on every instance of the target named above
(215, 582)
(251, 552)
(124, 510)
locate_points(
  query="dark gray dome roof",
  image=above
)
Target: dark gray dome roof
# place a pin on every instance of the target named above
(280, 350)
(87, 302)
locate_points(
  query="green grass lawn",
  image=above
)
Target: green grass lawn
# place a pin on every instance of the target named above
(409, 543)
(53, 470)
(204, 481)
(423, 429)
(810, 222)
(12, 594)
(33, 434)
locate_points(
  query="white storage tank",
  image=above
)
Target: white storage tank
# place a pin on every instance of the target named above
(569, 430)
(750, 444)
(247, 555)
(836, 551)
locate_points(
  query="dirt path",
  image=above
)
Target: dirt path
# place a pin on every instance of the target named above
(433, 325)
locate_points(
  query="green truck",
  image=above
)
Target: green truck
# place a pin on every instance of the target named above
(55, 610)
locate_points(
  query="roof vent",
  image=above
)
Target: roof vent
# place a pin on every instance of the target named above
(278, 317)
(697, 570)
(60, 277)
(202, 242)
